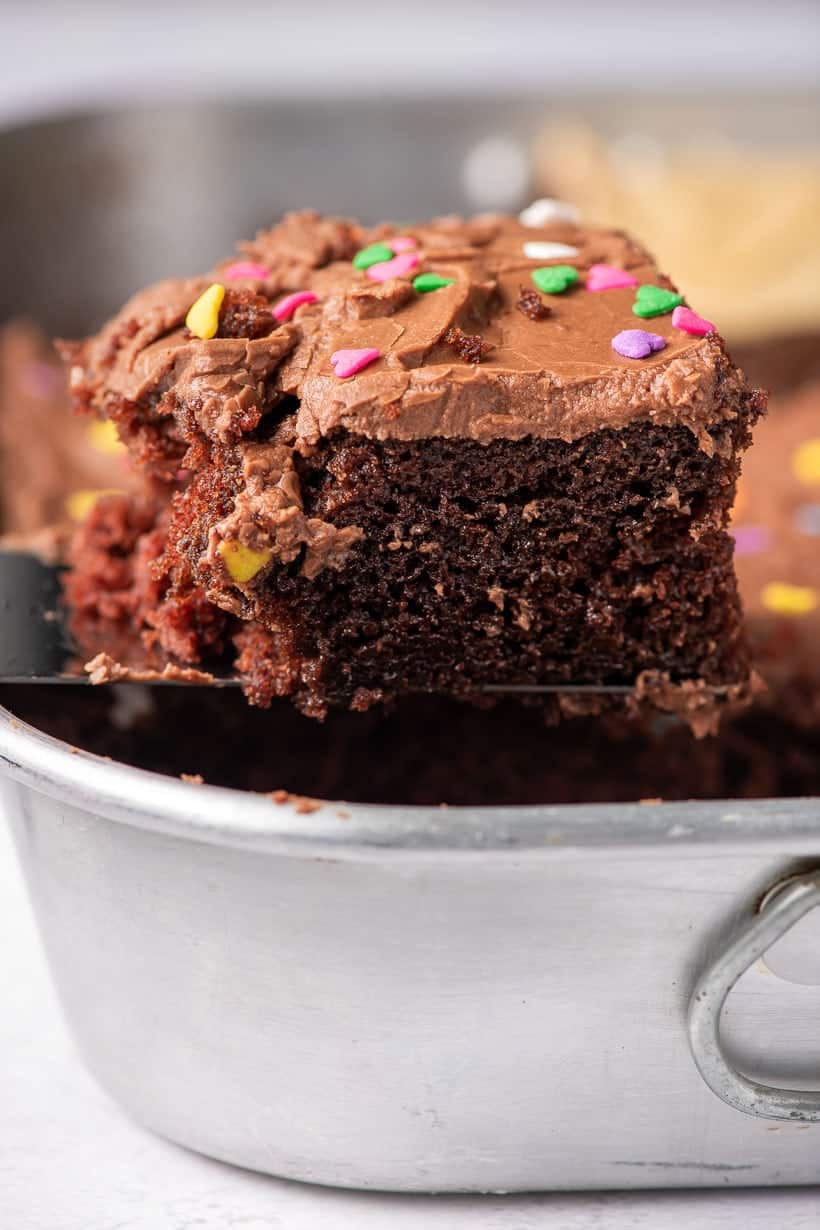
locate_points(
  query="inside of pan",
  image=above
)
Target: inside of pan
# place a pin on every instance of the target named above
(426, 750)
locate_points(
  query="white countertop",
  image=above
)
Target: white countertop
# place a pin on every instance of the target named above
(70, 1160)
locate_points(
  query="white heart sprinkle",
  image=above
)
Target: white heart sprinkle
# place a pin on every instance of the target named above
(548, 251)
(548, 210)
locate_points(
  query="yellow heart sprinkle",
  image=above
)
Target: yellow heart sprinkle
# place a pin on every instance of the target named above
(785, 599)
(102, 436)
(79, 504)
(203, 317)
(243, 562)
(806, 461)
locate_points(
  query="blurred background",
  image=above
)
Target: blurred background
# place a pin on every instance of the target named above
(694, 124)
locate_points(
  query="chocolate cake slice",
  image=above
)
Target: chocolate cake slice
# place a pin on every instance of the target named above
(463, 454)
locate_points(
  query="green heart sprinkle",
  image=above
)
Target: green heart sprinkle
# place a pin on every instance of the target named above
(374, 255)
(430, 281)
(654, 301)
(555, 279)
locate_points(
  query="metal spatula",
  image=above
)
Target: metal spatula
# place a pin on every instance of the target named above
(35, 646)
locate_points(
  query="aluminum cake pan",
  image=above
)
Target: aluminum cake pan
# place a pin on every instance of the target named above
(425, 999)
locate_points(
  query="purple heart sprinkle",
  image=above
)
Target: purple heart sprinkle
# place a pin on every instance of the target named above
(637, 343)
(751, 539)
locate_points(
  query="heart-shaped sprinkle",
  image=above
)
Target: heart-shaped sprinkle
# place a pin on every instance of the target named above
(400, 265)
(287, 306)
(751, 539)
(372, 255)
(608, 277)
(241, 562)
(807, 519)
(687, 321)
(426, 282)
(637, 343)
(806, 462)
(203, 316)
(403, 243)
(39, 380)
(786, 599)
(80, 503)
(654, 301)
(554, 279)
(546, 210)
(103, 436)
(347, 362)
(535, 250)
(245, 269)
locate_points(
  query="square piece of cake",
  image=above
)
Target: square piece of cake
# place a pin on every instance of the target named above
(427, 459)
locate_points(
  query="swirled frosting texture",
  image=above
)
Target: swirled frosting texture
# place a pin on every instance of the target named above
(547, 375)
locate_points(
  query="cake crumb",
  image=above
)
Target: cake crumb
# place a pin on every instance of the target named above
(531, 305)
(468, 346)
(302, 805)
(193, 779)
(524, 616)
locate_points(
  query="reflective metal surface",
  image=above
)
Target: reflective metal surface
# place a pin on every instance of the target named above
(409, 998)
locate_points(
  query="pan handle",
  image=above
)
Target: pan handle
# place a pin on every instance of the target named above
(784, 908)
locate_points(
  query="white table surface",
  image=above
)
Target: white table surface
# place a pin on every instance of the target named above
(70, 1160)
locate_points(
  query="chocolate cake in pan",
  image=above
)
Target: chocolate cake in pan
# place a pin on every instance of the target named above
(424, 459)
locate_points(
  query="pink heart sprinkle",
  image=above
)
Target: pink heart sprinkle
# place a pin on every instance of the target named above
(347, 362)
(245, 269)
(287, 306)
(39, 380)
(402, 243)
(689, 322)
(751, 539)
(607, 277)
(397, 268)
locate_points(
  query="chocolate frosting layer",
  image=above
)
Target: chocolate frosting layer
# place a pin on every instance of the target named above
(552, 376)
(268, 516)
